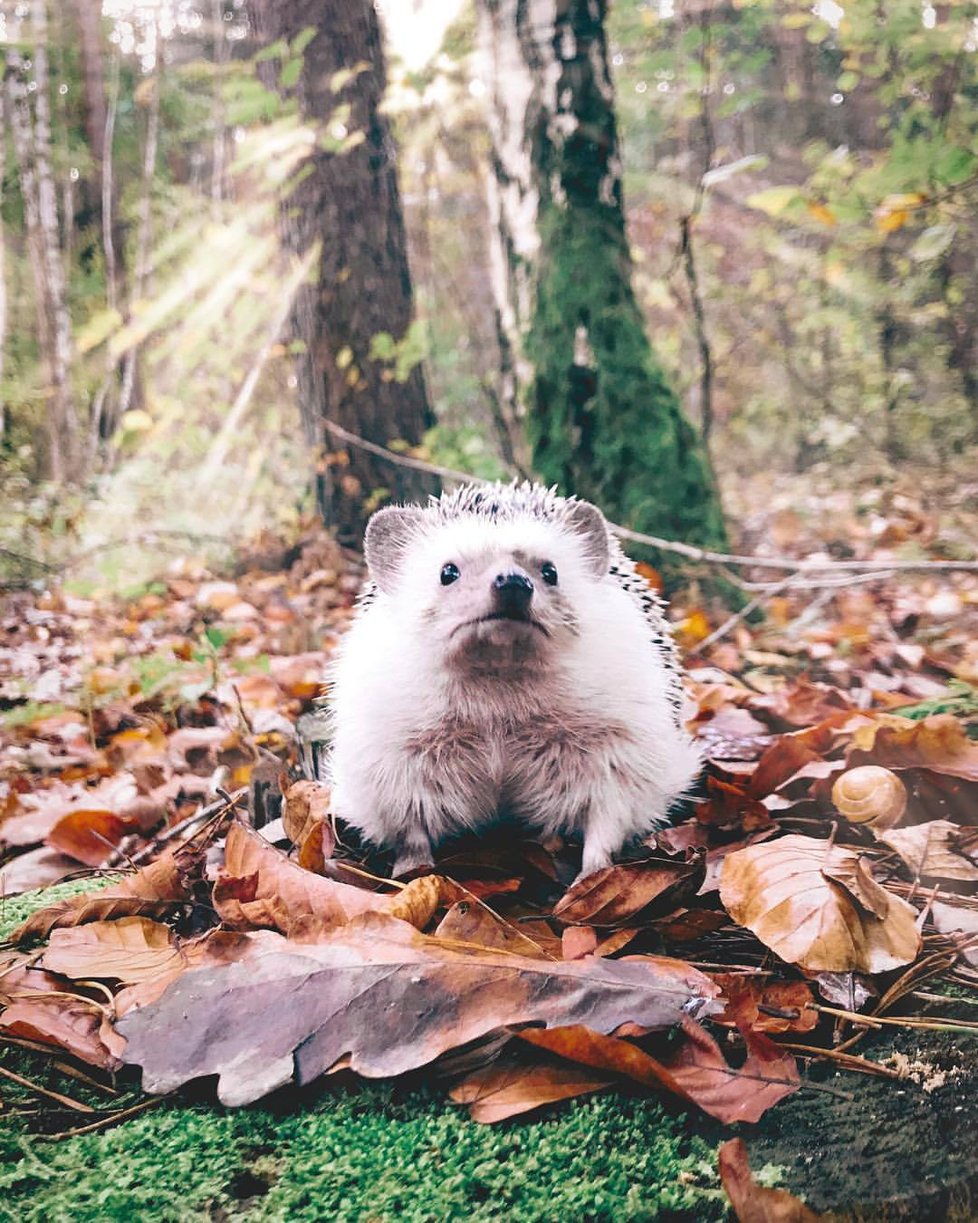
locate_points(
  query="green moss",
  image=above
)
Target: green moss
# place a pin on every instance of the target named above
(612, 431)
(375, 1152)
(603, 420)
(368, 1154)
(16, 909)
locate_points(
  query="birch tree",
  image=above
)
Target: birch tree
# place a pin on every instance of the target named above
(578, 372)
(31, 134)
(3, 268)
(144, 234)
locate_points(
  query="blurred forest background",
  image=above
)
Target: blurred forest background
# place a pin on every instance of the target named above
(193, 307)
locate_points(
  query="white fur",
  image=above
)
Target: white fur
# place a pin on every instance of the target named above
(439, 723)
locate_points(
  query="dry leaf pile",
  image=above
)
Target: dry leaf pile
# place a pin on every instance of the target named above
(826, 872)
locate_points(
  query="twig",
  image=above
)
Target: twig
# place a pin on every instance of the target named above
(738, 617)
(849, 1061)
(107, 1119)
(73, 1072)
(924, 996)
(77, 1105)
(200, 816)
(707, 556)
(935, 1024)
(356, 870)
(826, 583)
(400, 460)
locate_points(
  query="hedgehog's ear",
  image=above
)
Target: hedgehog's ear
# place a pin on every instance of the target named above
(389, 533)
(589, 525)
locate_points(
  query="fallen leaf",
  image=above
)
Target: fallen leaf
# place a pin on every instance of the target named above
(780, 890)
(420, 900)
(803, 703)
(46, 808)
(931, 851)
(854, 875)
(612, 896)
(497, 1092)
(751, 1202)
(745, 995)
(89, 836)
(68, 1021)
(316, 847)
(306, 803)
(954, 919)
(129, 949)
(937, 742)
(578, 941)
(846, 989)
(470, 922)
(783, 760)
(38, 868)
(686, 925)
(731, 807)
(152, 892)
(696, 1071)
(391, 998)
(260, 887)
(682, 838)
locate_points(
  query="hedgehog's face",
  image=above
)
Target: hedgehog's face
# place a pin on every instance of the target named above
(492, 595)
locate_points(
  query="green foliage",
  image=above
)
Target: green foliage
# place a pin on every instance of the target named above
(30, 711)
(961, 699)
(404, 354)
(464, 448)
(833, 278)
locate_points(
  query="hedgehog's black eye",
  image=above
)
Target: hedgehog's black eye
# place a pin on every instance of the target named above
(450, 573)
(549, 571)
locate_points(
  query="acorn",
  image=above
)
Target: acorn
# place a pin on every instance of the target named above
(870, 794)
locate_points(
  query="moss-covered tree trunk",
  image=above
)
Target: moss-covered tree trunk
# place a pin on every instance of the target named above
(578, 368)
(355, 319)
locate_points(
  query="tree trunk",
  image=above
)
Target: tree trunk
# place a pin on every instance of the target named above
(144, 235)
(3, 270)
(221, 57)
(99, 128)
(346, 197)
(32, 149)
(602, 420)
(61, 351)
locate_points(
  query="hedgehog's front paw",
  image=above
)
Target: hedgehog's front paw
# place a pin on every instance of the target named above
(595, 858)
(412, 854)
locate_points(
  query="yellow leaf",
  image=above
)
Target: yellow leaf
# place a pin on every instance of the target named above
(821, 213)
(894, 210)
(136, 421)
(694, 629)
(888, 222)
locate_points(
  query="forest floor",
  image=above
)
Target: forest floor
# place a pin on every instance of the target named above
(125, 715)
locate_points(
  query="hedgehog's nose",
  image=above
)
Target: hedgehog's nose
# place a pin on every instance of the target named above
(513, 592)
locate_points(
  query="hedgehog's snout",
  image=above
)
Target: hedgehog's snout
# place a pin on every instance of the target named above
(512, 594)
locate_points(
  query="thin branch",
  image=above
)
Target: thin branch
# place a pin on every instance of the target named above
(38, 1090)
(793, 565)
(106, 1119)
(738, 617)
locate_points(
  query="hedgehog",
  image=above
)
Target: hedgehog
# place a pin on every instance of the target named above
(507, 661)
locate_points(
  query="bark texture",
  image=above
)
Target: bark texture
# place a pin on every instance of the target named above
(346, 197)
(31, 139)
(577, 365)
